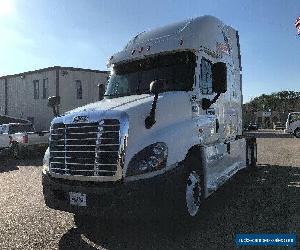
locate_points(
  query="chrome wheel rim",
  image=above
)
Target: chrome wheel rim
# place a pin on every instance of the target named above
(297, 133)
(193, 193)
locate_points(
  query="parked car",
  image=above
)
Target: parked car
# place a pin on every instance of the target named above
(278, 126)
(293, 124)
(252, 126)
(21, 138)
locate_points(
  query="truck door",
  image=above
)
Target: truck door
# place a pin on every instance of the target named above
(206, 91)
(4, 139)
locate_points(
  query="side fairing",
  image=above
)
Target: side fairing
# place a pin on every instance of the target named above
(222, 161)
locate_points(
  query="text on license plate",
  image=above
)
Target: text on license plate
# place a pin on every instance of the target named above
(77, 199)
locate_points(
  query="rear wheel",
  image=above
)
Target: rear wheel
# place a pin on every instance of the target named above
(297, 133)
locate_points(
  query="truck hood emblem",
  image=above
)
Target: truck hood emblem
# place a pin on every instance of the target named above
(80, 118)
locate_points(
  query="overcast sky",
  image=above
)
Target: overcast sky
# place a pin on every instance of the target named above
(36, 34)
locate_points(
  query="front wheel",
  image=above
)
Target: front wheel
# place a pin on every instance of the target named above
(191, 194)
(297, 133)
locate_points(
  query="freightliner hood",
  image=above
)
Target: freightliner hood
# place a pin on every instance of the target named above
(173, 108)
(170, 106)
(113, 104)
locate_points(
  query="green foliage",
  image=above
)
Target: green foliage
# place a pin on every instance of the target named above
(283, 101)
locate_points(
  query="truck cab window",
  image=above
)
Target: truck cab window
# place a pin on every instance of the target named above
(294, 117)
(20, 128)
(206, 77)
(176, 71)
(4, 129)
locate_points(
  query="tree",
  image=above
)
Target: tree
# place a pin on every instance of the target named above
(282, 101)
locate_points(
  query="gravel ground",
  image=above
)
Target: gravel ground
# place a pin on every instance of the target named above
(264, 201)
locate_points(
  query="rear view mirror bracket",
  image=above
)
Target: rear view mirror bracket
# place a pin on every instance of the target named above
(54, 102)
(206, 103)
(156, 87)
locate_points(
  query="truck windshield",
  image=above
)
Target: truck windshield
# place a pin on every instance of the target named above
(176, 71)
(19, 128)
(294, 117)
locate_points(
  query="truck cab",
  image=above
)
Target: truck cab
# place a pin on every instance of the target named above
(168, 129)
(292, 125)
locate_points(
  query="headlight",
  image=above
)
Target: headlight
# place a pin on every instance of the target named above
(151, 158)
(46, 161)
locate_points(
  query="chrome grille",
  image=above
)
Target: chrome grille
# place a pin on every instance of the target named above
(85, 149)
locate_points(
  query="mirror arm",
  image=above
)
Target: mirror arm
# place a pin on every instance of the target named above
(215, 99)
(55, 111)
(206, 103)
(150, 119)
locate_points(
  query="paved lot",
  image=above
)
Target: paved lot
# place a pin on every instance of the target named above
(265, 201)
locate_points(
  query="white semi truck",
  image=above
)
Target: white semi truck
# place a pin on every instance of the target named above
(167, 134)
(292, 125)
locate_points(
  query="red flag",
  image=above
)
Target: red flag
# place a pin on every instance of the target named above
(297, 24)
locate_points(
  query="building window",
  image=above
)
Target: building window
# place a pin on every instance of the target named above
(206, 77)
(78, 89)
(101, 91)
(45, 88)
(36, 89)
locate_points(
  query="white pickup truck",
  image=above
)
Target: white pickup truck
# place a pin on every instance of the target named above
(292, 125)
(21, 137)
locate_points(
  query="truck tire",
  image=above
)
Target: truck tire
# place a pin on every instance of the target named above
(251, 153)
(84, 222)
(15, 150)
(297, 133)
(191, 193)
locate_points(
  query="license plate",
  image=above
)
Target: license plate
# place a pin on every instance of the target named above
(77, 199)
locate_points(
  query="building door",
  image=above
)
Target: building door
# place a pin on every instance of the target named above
(101, 91)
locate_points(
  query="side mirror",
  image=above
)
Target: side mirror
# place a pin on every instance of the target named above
(219, 77)
(156, 87)
(54, 102)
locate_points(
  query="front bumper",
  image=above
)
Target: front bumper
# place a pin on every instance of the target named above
(25, 148)
(133, 197)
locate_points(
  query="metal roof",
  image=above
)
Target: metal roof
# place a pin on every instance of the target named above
(53, 68)
(192, 34)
